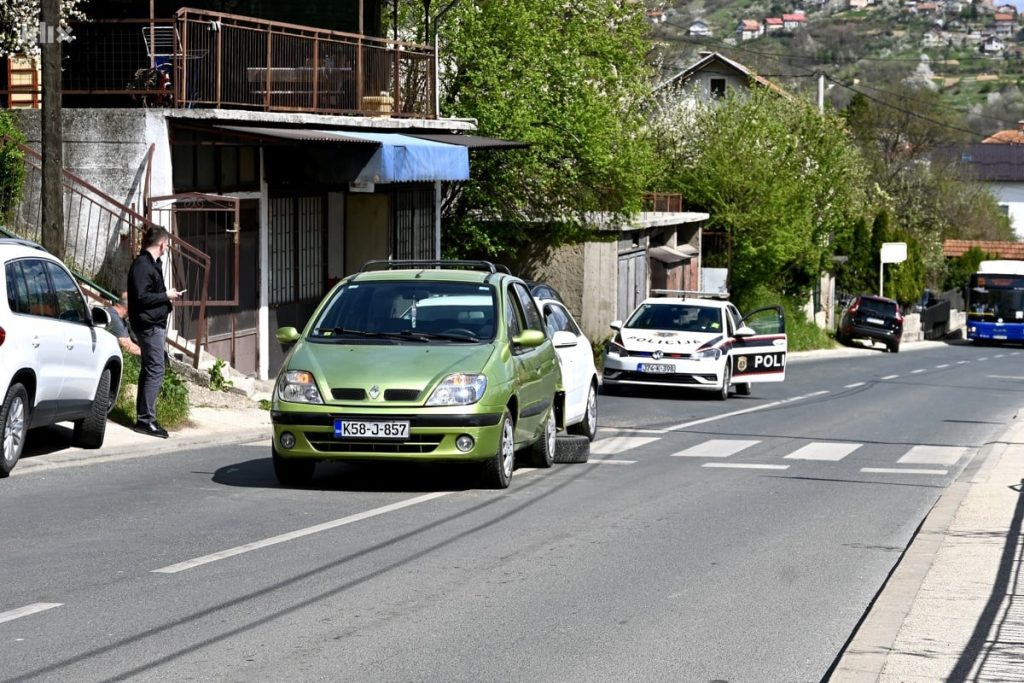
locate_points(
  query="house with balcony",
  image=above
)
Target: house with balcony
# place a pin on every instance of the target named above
(772, 25)
(1003, 24)
(282, 149)
(749, 29)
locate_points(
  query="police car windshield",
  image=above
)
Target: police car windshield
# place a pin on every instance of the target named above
(676, 317)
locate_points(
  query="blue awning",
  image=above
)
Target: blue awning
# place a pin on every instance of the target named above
(398, 159)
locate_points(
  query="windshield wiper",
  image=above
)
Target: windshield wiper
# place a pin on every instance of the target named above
(449, 337)
(358, 333)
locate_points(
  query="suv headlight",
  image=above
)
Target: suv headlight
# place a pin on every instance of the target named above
(461, 389)
(708, 354)
(298, 386)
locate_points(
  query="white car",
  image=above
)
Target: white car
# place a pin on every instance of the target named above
(579, 373)
(57, 362)
(696, 342)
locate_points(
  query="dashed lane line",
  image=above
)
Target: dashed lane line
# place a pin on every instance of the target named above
(896, 470)
(854, 385)
(299, 533)
(917, 372)
(27, 610)
(891, 377)
(941, 366)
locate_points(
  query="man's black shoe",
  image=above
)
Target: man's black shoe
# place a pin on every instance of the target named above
(151, 428)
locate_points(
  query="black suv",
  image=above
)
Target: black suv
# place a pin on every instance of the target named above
(872, 317)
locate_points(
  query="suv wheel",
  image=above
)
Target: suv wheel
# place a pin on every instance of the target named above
(894, 347)
(542, 453)
(89, 430)
(498, 469)
(292, 471)
(14, 416)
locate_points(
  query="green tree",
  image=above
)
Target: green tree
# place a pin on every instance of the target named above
(782, 179)
(19, 24)
(568, 79)
(960, 268)
(12, 167)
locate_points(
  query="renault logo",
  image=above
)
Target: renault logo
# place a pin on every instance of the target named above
(658, 354)
(374, 392)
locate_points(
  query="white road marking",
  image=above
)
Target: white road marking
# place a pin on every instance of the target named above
(744, 466)
(292, 535)
(983, 358)
(611, 462)
(998, 355)
(894, 470)
(773, 404)
(25, 611)
(618, 444)
(915, 372)
(943, 365)
(823, 450)
(891, 377)
(855, 384)
(1003, 377)
(632, 430)
(933, 455)
(715, 448)
(962, 362)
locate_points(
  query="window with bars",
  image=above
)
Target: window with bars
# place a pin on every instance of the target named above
(414, 223)
(296, 244)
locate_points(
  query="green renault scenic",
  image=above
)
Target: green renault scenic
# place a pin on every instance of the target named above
(431, 361)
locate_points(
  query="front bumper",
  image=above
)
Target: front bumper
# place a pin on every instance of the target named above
(702, 374)
(431, 436)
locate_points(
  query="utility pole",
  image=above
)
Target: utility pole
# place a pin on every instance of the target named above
(52, 233)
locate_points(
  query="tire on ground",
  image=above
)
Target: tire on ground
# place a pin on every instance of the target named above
(14, 421)
(90, 430)
(572, 449)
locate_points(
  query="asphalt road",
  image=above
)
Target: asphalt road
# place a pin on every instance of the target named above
(706, 541)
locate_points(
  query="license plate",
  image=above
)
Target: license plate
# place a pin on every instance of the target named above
(1001, 337)
(655, 368)
(876, 321)
(357, 429)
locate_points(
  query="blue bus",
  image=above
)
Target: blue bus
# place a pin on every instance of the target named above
(995, 302)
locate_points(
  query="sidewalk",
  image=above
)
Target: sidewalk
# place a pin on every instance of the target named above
(953, 610)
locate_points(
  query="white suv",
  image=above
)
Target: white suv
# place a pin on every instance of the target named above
(57, 362)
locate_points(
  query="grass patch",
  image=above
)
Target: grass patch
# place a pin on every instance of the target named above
(172, 405)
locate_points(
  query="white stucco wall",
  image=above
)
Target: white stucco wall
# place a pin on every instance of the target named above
(1011, 195)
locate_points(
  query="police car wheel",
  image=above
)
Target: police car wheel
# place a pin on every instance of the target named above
(743, 389)
(723, 393)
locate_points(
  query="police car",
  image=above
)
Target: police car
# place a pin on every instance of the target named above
(698, 340)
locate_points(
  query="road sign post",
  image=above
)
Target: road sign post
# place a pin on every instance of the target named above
(892, 252)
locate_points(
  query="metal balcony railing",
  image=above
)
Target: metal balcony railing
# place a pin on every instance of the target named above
(203, 59)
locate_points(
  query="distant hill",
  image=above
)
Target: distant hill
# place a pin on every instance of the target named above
(973, 55)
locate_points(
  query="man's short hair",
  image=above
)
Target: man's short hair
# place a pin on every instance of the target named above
(123, 301)
(153, 236)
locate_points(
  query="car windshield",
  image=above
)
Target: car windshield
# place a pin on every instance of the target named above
(411, 311)
(677, 317)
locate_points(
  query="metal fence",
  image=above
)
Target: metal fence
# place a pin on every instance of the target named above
(101, 238)
(217, 60)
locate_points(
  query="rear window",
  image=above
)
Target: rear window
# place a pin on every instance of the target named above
(879, 307)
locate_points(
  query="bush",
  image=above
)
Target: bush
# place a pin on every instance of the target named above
(172, 407)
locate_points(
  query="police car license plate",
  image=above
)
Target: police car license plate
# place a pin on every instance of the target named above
(354, 429)
(655, 368)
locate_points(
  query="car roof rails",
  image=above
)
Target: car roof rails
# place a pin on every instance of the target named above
(23, 242)
(689, 293)
(397, 264)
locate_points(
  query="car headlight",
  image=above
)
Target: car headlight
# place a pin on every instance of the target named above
(461, 389)
(708, 354)
(615, 349)
(298, 386)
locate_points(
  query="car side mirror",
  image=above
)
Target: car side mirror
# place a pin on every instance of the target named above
(616, 325)
(100, 317)
(744, 331)
(529, 338)
(287, 335)
(564, 339)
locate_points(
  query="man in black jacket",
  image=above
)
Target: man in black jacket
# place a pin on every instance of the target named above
(149, 304)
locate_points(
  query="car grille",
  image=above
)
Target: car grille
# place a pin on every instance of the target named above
(673, 378)
(353, 394)
(416, 443)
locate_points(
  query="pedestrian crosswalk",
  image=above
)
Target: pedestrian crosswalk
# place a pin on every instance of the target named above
(781, 454)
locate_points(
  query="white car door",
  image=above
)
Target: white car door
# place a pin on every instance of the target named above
(78, 341)
(572, 358)
(759, 351)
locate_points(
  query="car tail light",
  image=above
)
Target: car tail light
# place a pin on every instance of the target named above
(854, 306)
(3, 336)
(899, 316)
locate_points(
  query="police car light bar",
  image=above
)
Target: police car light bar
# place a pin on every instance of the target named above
(691, 293)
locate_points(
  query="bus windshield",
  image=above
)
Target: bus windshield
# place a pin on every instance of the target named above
(992, 297)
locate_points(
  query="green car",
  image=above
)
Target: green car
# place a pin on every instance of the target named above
(428, 361)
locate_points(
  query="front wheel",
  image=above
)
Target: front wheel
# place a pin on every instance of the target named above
(542, 453)
(588, 427)
(89, 431)
(14, 420)
(743, 389)
(292, 471)
(723, 393)
(498, 468)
